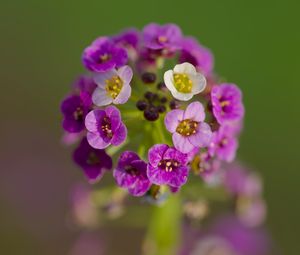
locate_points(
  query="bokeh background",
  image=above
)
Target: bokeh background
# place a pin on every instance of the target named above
(256, 45)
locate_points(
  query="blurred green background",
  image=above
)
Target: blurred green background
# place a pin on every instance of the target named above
(255, 43)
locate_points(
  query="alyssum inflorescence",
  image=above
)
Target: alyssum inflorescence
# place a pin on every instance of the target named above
(151, 99)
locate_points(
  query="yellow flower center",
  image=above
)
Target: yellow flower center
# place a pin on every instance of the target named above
(183, 83)
(162, 39)
(187, 127)
(114, 86)
(224, 103)
(104, 58)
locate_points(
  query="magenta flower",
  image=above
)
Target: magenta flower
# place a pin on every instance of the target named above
(93, 162)
(227, 103)
(128, 38)
(239, 181)
(105, 127)
(227, 236)
(223, 144)
(131, 173)
(74, 109)
(159, 37)
(167, 166)
(188, 129)
(85, 83)
(242, 239)
(199, 56)
(103, 55)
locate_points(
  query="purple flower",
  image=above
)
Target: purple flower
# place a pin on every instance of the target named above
(210, 169)
(239, 181)
(103, 55)
(158, 37)
(223, 144)
(128, 38)
(74, 109)
(242, 239)
(93, 162)
(226, 236)
(227, 103)
(105, 127)
(85, 83)
(131, 173)
(199, 56)
(167, 166)
(113, 86)
(188, 129)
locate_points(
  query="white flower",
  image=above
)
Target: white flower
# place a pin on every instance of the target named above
(113, 86)
(184, 81)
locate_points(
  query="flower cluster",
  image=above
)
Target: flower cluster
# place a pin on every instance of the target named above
(159, 122)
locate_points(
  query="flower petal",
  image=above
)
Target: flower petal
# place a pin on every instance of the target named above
(178, 177)
(182, 143)
(100, 97)
(156, 175)
(185, 68)
(124, 95)
(169, 81)
(140, 187)
(195, 112)
(182, 96)
(96, 141)
(125, 73)
(199, 83)
(172, 120)
(175, 154)
(119, 135)
(156, 152)
(92, 119)
(114, 115)
(100, 78)
(123, 179)
(202, 137)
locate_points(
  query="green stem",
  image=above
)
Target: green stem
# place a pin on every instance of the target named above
(164, 228)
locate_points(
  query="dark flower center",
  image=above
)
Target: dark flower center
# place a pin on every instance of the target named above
(106, 127)
(187, 127)
(92, 158)
(78, 114)
(131, 170)
(168, 164)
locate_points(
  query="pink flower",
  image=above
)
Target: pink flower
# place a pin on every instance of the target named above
(188, 127)
(105, 127)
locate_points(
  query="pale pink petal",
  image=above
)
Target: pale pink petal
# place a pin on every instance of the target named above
(194, 111)
(100, 97)
(125, 73)
(91, 120)
(182, 143)
(96, 141)
(203, 136)
(172, 120)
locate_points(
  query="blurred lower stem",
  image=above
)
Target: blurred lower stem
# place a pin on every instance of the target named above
(163, 234)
